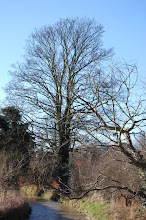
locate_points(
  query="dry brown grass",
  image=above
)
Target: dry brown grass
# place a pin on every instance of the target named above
(13, 205)
(118, 210)
(121, 212)
(10, 201)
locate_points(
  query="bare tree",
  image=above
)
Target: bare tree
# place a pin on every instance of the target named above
(42, 168)
(56, 63)
(117, 114)
(11, 168)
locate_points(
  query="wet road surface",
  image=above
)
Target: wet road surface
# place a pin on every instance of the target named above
(49, 210)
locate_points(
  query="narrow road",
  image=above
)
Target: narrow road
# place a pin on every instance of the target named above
(48, 210)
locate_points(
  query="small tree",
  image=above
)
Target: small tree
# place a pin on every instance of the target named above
(11, 168)
(14, 132)
(42, 168)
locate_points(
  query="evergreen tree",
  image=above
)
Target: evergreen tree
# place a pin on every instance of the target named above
(15, 138)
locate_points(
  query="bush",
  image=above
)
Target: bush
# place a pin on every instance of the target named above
(13, 207)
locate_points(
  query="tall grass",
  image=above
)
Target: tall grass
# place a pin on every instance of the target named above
(122, 212)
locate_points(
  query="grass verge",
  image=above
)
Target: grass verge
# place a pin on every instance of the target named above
(101, 210)
(92, 210)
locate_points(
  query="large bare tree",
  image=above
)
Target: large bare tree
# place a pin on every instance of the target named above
(55, 66)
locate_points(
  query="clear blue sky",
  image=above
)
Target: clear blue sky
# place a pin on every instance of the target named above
(124, 23)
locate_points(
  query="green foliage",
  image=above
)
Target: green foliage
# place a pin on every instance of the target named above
(16, 143)
(14, 134)
(11, 114)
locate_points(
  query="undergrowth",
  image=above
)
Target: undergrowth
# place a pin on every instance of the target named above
(12, 206)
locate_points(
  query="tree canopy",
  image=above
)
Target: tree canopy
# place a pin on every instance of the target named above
(57, 61)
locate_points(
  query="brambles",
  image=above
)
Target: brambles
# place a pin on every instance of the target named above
(12, 206)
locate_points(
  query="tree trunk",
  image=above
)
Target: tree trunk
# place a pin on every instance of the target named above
(64, 162)
(63, 169)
